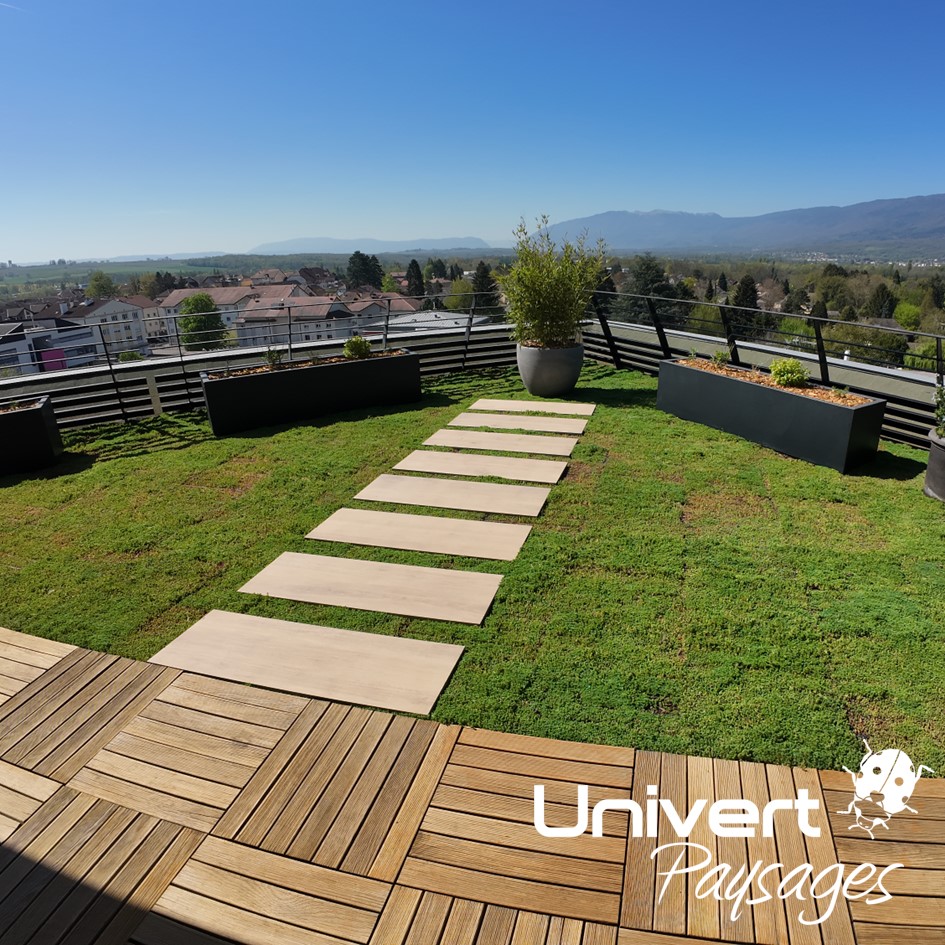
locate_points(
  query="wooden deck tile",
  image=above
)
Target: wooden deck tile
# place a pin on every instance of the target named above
(60, 720)
(257, 898)
(503, 442)
(501, 421)
(185, 780)
(477, 839)
(339, 790)
(473, 464)
(83, 871)
(436, 593)
(456, 494)
(24, 658)
(500, 541)
(365, 668)
(535, 406)
(22, 793)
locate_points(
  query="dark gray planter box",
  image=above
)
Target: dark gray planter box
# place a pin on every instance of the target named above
(820, 432)
(246, 401)
(29, 438)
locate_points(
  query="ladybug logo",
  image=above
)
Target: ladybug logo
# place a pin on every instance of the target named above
(882, 787)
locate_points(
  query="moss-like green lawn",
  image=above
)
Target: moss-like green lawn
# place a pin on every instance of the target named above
(684, 590)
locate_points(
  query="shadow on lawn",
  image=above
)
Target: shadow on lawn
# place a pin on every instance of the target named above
(608, 397)
(889, 466)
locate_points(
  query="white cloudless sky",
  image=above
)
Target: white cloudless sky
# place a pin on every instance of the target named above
(163, 126)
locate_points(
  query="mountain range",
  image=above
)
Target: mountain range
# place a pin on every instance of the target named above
(879, 227)
(326, 244)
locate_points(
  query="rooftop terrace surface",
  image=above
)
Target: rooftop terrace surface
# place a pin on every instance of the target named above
(717, 605)
(143, 804)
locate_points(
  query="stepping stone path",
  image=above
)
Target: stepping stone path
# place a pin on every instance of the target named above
(371, 669)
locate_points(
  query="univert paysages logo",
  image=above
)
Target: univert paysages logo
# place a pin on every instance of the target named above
(882, 787)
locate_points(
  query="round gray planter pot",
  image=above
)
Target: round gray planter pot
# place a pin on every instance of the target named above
(549, 372)
(935, 473)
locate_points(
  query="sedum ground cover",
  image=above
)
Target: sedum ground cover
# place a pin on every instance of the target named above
(683, 591)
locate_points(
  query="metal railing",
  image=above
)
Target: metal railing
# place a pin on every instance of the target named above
(628, 331)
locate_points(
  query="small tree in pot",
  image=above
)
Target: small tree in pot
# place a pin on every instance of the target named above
(935, 474)
(547, 291)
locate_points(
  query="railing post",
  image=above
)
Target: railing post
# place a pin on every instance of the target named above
(821, 352)
(469, 321)
(386, 325)
(111, 370)
(939, 366)
(660, 331)
(608, 334)
(289, 316)
(175, 320)
(729, 336)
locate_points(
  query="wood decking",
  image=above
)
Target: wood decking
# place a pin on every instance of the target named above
(149, 805)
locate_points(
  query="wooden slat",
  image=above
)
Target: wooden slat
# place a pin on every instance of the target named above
(214, 747)
(639, 881)
(734, 852)
(462, 928)
(534, 406)
(461, 596)
(503, 442)
(394, 849)
(178, 810)
(669, 914)
(366, 668)
(792, 853)
(499, 421)
(395, 921)
(247, 695)
(769, 917)
(227, 708)
(473, 464)
(547, 747)
(313, 718)
(876, 934)
(536, 766)
(512, 893)
(429, 920)
(461, 494)
(702, 913)
(52, 648)
(500, 541)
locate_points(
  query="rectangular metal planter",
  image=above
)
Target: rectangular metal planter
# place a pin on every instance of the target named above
(246, 401)
(818, 431)
(29, 438)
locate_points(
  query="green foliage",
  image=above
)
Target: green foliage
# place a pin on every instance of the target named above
(789, 372)
(722, 282)
(461, 296)
(415, 284)
(882, 302)
(706, 320)
(130, 356)
(484, 285)
(865, 343)
(201, 327)
(364, 270)
(938, 400)
(274, 358)
(389, 283)
(745, 294)
(908, 315)
(818, 309)
(923, 358)
(357, 348)
(548, 289)
(101, 286)
(795, 301)
(720, 358)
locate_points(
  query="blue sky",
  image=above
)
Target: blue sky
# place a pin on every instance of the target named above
(138, 126)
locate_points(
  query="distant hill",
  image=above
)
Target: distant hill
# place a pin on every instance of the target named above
(880, 227)
(326, 244)
(157, 257)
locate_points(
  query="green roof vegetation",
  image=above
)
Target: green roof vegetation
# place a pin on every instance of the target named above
(683, 591)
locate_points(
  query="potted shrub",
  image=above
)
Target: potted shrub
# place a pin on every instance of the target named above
(278, 392)
(935, 473)
(29, 436)
(780, 410)
(547, 291)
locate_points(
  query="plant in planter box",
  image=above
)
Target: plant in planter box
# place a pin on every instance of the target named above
(935, 473)
(282, 391)
(547, 291)
(29, 436)
(782, 410)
